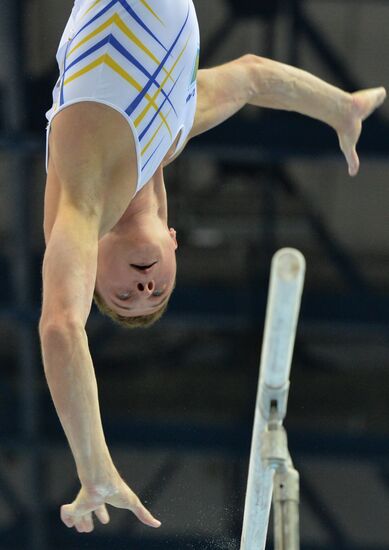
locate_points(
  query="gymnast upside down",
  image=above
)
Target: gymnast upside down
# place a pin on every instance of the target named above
(128, 99)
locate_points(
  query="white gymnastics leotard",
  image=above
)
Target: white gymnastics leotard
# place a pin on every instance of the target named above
(139, 57)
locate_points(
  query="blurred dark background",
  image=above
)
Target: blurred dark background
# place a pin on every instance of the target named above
(178, 400)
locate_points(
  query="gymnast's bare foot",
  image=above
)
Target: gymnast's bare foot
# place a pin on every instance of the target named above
(363, 103)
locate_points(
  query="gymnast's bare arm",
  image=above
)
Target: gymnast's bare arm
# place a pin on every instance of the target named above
(262, 82)
(79, 208)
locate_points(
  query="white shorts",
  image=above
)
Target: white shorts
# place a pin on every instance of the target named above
(139, 57)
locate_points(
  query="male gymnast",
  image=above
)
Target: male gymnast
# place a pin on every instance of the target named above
(127, 101)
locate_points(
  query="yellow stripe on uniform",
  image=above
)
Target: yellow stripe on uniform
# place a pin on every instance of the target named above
(107, 59)
(147, 108)
(91, 8)
(116, 20)
(117, 68)
(96, 63)
(152, 11)
(153, 136)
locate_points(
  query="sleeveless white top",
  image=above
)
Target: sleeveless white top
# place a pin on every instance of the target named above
(139, 57)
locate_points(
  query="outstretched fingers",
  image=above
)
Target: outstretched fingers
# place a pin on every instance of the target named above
(142, 513)
(102, 514)
(67, 515)
(127, 499)
(79, 514)
(352, 161)
(364, 102)
(84, 524)
(348, 147)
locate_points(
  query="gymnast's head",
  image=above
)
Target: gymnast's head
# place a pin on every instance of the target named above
(136, 272)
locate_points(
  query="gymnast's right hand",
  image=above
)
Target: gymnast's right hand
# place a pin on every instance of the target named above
(79, 513)
(364, 102)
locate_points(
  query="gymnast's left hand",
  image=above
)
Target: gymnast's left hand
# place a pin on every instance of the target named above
(93, 500)
(362, 104)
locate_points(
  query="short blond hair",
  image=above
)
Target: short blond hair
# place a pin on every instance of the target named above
(140, 321)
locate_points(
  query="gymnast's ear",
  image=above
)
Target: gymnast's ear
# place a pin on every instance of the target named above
(173, 235)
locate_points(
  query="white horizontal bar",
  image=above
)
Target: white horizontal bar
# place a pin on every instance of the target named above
(283, 307)
(285, 289)
(259, 492)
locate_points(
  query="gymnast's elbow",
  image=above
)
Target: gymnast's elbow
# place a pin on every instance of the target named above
(253, 60)
(254, 67)
(59, 337)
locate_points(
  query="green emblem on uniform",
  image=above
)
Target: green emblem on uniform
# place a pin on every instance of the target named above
(196, 66)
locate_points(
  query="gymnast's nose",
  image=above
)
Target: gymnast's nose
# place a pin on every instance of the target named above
(146, 289)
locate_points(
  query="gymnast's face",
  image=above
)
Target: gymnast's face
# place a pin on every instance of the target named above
(136, 273)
